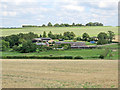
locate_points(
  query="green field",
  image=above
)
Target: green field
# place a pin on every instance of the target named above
(85, 53)
(92, 31)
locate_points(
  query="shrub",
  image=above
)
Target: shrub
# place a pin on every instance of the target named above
(101, 56)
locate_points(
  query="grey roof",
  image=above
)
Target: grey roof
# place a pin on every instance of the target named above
(42, 39)
(40, 43)
(72, 43)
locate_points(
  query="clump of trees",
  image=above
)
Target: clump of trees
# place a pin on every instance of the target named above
(66, 35)
(104, 38)
(19, 38)
(94, 24)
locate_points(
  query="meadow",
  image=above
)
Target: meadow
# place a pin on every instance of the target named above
(59, 73)
(92, 31)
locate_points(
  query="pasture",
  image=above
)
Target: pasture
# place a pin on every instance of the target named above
(85, 53)
(25, 73)
(92, 31)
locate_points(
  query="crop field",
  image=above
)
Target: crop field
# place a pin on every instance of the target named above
(59, 73)
(92, 31)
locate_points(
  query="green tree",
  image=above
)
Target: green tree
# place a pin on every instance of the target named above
(102, 38)
(49, 24)
(62, 25)
(56, 25)
(50, 34)
(85, 36)
(12, 39)
(40, 35)
(73, 24)
(44, 34)
(111, 36)
(27, 47)
(4, 44)
(21, 40)
(72, 35)
(43, 25)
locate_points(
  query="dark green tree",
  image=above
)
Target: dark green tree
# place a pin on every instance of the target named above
(27, 47)
(49, 24)
(73, 24)
(40, 35)
(102, 38)
(56, 25)
(50, 34)
(43, 25)
(111, 36)
(85, 36)
(4, 45)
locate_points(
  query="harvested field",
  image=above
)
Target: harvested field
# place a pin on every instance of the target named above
(59, 73)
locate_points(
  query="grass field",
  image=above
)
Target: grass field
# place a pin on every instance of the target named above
(92, 31)
(85, 53)
(59, 73)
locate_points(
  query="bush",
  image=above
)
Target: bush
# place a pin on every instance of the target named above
(78, 57)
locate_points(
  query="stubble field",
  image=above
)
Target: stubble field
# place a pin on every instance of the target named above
(59, 73)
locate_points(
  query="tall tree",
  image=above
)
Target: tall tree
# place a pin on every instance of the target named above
(44, 34)
(73, 24)
(40, 35)
(50, 34)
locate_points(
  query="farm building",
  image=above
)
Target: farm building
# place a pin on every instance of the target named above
(41, 40)
(76, 45)
(72, 43)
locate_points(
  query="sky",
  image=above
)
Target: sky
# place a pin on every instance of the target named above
(15, 13)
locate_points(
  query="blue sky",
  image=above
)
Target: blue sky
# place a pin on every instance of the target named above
(14, 13)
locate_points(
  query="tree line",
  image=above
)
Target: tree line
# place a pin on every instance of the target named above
(66, 25)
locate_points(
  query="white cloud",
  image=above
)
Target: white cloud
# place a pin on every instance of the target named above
(73, 7)
(63, 11)
(9, 13)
